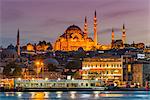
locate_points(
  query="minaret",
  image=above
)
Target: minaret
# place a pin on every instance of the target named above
(18, 43)
(95, 29)
(85, 26)
(112, 37)
(123, 34)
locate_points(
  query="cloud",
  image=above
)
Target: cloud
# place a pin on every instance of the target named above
(109, 30)
(122, 13)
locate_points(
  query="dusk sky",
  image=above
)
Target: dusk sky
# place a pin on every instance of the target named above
(47, 19)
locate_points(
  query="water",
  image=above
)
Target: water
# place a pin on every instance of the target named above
(77, 95)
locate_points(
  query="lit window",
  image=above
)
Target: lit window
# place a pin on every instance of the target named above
(106, 72)
(114, 65)
(129, 68)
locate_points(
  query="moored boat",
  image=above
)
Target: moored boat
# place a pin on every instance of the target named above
(55, 85)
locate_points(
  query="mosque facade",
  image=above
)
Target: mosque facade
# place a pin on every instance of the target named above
(74, 38)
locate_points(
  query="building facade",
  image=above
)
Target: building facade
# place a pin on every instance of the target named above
(107, 69)
(73, 39)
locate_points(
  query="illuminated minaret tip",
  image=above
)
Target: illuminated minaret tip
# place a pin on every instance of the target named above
(95, 29)
(112, 37)
(18, 43)
(85, 26)
(123, 34)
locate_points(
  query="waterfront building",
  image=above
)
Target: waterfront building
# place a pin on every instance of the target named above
(135, 67)
(108, 69)
(141, 73)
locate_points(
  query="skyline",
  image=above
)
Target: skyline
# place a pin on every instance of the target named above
(47, 20)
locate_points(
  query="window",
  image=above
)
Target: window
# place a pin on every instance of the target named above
(106, 72)
(129, 68)
(117, 65)
(107, 65)
(103, 65)
(86, 84)
(81, 84)
(96, 65)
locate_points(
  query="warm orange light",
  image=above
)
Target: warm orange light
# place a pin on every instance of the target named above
(42, 63)
(37, 63)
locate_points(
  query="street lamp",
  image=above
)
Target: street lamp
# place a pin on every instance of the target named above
(39, 65)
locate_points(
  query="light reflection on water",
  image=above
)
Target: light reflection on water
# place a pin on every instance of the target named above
(111, 95)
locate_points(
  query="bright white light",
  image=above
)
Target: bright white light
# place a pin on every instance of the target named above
(72, 78)
(19, 79)
(96, 79)
(46, 95)
(59, 79)
(59, 94)
(72, 94)
(96, 94)
(19, 94)
(46, 78)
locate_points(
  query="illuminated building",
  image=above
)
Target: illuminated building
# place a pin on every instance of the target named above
(30, 47)
(120, 43)
(108, 69)
(41, 46)
(73, 39)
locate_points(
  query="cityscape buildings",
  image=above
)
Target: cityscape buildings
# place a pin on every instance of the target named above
(76, 54)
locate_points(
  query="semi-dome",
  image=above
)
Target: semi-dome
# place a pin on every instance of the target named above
(11, 47)
(51, 61)
(9, 53)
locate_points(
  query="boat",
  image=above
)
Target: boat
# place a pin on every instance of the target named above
(58, 85)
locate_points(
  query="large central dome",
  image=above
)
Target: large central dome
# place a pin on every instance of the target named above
(73, 31)
(73, 27)
(72, 39)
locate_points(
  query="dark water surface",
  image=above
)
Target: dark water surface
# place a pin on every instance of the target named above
(77, 95)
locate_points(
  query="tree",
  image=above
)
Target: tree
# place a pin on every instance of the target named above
(50, 46)
(51, 67)
(7, 68)
(73, 65)
(17, 72)
(77, 75)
